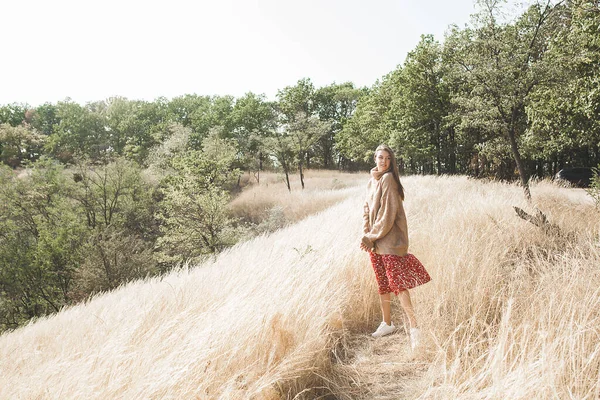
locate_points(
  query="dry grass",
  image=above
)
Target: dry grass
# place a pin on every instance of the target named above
(272, 200)
(511, 312)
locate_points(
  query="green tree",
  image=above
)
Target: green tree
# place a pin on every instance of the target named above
(253, 119)
(194, 215)
(280, 145)
(296, 100)
(335, 104)
(565, 111)
(134, 127)
(119, 213)
(45, 119)
(369, 126)
(419, 113)
(19, 144)
(13, 114)
(80, 131)
(304, 131)
(500, 64)
(40, 237)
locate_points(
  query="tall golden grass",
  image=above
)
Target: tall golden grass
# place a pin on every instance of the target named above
(512, 312)
(271, 197)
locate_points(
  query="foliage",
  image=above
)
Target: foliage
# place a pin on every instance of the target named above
(161, 156)
(194, 215)
(418, 116)
(334, 104)
(253, 118)
(133, 127)
(80, 132)
(564, 111)
(19, 144)
(304, 132)
(195, 223)
(40, 238)
(594, 189)
(62, 239)
(119, 207)
(13, 114)
(367, 128)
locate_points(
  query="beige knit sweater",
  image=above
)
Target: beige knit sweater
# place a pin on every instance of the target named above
(385, 226)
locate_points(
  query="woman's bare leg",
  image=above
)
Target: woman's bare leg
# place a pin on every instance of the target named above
(386, 307)
(406, 304)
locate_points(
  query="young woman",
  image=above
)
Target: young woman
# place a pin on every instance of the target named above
(386, 240)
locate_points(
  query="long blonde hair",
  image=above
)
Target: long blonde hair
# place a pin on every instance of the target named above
(393, 167)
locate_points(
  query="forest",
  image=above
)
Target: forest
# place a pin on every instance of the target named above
(95, 195)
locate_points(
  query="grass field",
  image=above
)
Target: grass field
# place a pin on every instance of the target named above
(511, 312)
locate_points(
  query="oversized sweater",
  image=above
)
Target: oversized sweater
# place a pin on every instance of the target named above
(385, 227)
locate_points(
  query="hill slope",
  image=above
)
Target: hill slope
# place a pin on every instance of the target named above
(251, 323)
(512, 312)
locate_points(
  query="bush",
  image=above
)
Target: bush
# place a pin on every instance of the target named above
(594, 189)
(195, 223)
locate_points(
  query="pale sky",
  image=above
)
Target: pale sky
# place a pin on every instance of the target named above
(92, 50)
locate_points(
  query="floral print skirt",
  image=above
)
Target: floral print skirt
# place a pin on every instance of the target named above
(397, 273)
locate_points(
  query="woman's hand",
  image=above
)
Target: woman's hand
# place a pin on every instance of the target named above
(366, 244)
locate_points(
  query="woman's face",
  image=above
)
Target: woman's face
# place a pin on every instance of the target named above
(383, 160)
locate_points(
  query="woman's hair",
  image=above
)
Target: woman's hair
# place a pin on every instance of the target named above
(393, 167)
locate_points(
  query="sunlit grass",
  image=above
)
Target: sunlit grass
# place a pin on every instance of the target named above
(511, 312)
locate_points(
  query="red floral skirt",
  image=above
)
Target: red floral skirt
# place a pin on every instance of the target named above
(397, 273)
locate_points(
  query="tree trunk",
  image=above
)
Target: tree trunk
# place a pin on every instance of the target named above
(287, 180)
(301, 173)
(517, 157)
(452, 167)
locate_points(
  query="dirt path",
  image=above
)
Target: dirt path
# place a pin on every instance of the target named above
(381, 369)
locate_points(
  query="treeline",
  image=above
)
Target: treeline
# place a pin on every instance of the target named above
(503, 99)
(120, 189)
(498, 98)
(297, 129)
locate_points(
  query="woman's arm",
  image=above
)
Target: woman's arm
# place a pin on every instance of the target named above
(366, 217)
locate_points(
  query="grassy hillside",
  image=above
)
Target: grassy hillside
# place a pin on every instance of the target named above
(512, 312)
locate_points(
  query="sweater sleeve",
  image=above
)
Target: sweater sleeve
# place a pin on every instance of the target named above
(366, 217)
(387, 212)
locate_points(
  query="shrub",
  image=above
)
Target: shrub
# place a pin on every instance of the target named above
(594, 189)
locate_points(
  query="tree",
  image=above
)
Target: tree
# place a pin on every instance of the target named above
(45, 119)
(194, 211)
(133, 127)
(419, 113)
(370, 125)
(40, 237)
(119, 212)
(500, 65)
(253, 119)
(19, 144)
(280, 145)
(304, 132)
(335, 104)
(80, 131)
(296, 100)
(13, 114)
(565, 111)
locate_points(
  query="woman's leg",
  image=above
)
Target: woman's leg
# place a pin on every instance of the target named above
(386, 308)
(383, 286)
(407, 305)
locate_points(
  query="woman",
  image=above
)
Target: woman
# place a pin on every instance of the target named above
(386, 241)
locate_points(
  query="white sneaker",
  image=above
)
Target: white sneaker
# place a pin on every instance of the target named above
(415, 338)
(383, 329)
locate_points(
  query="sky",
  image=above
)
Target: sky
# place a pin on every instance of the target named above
(143, 49)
